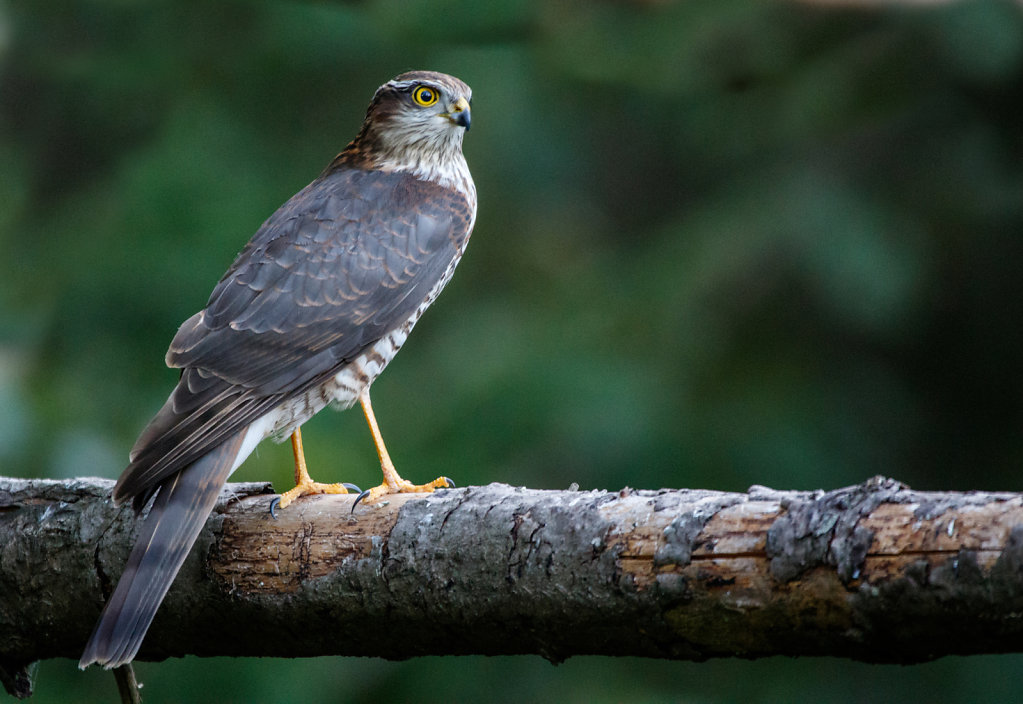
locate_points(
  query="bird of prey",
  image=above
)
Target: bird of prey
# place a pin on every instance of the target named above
(311, 311)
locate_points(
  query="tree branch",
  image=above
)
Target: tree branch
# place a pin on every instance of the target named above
(875, 572)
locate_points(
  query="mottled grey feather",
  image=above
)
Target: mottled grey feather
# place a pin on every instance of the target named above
(342, 263)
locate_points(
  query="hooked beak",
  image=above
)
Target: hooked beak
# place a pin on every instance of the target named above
(459, 113)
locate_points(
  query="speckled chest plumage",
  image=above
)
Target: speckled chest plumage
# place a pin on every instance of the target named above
(342, 391)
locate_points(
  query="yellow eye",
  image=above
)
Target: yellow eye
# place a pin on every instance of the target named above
(425, 96)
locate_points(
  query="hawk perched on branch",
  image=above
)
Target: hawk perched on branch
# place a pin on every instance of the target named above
(312, 310)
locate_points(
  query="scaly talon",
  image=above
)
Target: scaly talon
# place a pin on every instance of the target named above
(303, 482)
(393, 483)
(311, 487)
(287, 497)
(402, 486)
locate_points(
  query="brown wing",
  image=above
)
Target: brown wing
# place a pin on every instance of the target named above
(340, 265)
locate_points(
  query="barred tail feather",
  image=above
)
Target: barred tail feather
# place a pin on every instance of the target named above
(179, 512)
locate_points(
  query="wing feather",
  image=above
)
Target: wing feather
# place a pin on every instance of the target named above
(343, 263)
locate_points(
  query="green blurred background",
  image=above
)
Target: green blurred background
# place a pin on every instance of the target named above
(718, 244)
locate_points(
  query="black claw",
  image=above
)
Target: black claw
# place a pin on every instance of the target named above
(451, 484)
(360, 497)
(276, 503)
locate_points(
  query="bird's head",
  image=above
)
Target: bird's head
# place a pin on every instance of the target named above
(415, 123)
(428, 101)
(416, 113)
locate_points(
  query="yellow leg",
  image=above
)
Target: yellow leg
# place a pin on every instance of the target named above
(393, 483)
(303, 482)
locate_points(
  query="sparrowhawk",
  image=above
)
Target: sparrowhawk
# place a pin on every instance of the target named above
(309, 314)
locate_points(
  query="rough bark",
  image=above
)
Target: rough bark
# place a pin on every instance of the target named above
(875, 572)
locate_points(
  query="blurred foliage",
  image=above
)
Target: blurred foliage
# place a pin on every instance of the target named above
(719, 244)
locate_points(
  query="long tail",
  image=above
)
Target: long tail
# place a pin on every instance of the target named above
(178, 514)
